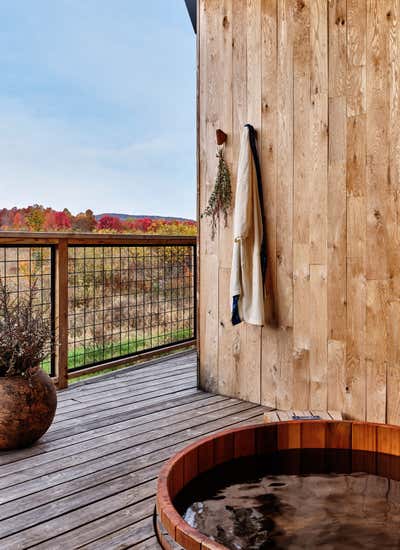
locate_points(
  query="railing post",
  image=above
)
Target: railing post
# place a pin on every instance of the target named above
(61, 313)
(92, 301)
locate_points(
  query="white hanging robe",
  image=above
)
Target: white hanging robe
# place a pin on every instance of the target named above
(246, 286)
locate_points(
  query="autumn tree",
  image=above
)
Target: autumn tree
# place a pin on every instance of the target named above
(56, 221)
(139, 225)
(35, 217)
(6, 217)
(109, 223)
(85, 222)
(19, 221)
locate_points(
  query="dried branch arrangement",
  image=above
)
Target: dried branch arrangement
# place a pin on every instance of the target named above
(25, 335)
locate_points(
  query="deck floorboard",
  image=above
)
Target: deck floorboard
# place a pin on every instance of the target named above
(90, 482)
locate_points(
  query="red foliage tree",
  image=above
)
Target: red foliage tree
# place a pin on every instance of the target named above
(140, 225)
(109, 223)
(56, 221)
(19, 221)
(63, 222)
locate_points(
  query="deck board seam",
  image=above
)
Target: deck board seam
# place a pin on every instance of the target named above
(116, 494)
(82, 494)
(27, 462)
(83, 407)
(123, 449)
(198, 404)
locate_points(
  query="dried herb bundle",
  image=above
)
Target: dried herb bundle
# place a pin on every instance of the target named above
(220, 199)
(25, 335)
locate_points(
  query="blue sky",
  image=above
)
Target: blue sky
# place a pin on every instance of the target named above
(97, 106)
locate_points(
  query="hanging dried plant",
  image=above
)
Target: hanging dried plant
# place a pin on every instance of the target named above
(220, 199)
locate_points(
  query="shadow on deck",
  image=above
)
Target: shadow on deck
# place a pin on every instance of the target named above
(91, 481)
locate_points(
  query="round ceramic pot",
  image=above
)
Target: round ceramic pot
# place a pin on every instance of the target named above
(27, 408)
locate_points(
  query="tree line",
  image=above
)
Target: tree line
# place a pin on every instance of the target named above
(40, 218)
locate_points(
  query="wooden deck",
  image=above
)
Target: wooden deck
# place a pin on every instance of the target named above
(90, 482)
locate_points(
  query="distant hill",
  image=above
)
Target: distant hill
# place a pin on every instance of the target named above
(124, 217)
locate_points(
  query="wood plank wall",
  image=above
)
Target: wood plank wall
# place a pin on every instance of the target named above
(319, 80)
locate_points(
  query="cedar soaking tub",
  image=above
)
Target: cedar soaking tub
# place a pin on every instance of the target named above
(301, 483)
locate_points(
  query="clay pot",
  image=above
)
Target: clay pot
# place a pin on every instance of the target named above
(27, 408)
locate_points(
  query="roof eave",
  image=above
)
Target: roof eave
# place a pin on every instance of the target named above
(192, 9)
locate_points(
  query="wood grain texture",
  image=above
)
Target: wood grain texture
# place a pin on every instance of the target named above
(209, 81)
(250, 371)
(269, 152)
(320, 81)
(302, 192)
(227, 64)
(91, 481)
(61, 315)
(337, 197)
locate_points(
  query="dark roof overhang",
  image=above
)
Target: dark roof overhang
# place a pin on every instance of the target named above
(192, 9)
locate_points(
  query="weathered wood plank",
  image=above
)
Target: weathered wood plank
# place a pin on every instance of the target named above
(97, 486)
(107, 399)
(230, 344)
(225, 59)
(319, 132)
(149, 405)
(149, 544)
(301, 325)
(90, 389)
(209, 77)
(123, 392)
(337, 222)
(249, 374)
(318, 353)
(269, 154)
(126, 385)
(90, 512)
(332, 186)
(284, 202)
(94, 453)
(336, 374)
(125, 537)
(71, 419)
(337, 198)
(89, 467)
(376, 349)
(61, 314)
(231, 60)
(380, 209)
(302, 193)
(36, 535)
(393, 365)
(355, 378)
(165, 410)
(325, 77)
(119, 433)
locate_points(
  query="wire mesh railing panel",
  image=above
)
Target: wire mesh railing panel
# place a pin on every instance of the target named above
(25, 267)
(128, 299)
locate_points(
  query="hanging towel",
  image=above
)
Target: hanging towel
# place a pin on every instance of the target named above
(249, 247)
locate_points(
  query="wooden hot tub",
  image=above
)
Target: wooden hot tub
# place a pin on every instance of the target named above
(174, 532)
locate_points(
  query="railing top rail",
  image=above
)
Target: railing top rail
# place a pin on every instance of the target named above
(28, 238)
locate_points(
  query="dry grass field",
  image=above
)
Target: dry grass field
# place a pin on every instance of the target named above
(122, 299)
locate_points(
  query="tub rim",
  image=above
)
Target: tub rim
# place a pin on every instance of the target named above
(231, 443)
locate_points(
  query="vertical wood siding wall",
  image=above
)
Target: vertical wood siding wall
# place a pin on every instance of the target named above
(319, 80)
